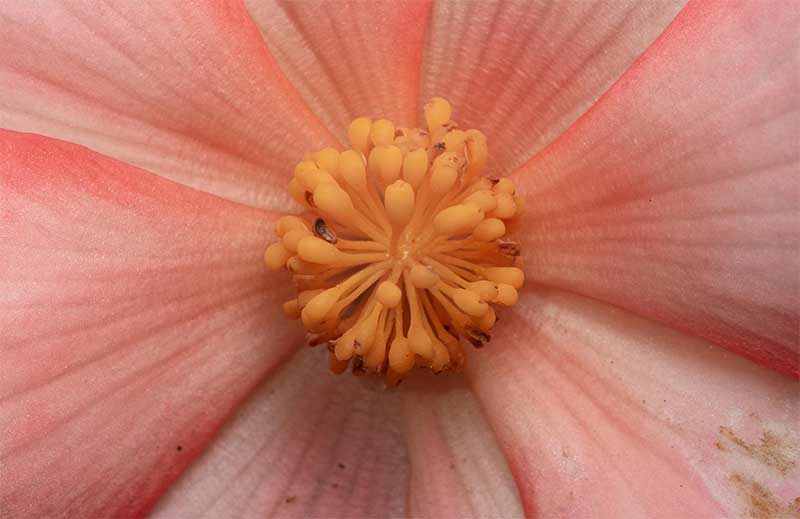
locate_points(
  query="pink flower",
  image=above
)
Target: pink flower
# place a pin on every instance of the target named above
(649, 369)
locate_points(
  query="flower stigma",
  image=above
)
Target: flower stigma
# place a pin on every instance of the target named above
(400, 254)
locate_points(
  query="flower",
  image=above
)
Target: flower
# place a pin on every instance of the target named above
(648, 370)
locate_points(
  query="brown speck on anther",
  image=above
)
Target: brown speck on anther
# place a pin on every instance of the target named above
(358, 366)
(509, 248)
(477, 338)
(399, 133)
(310, 199)
(322, 230)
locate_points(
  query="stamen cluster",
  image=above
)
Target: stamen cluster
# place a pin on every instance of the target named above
(401, 253)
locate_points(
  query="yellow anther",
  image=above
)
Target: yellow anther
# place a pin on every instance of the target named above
(352, 169)
(345, 346)
(303, 166)
(288, 222)
(415, 165)
(469, 302)
(454, 140)
(316, 250)
(477, 153)
(419, 341)
(508, 275)
(307, 295)
(485, 289)
(389, 294)
(334, 200)
(504, 185)
(506, 207)
(366, 331)
(401, 359)
(358, 134)
(328, 159)
(487, 320)
(385, 162)
(437, 112)
(399, 202)
(484, 199)
(506, 294)
(382, 132)
(423, 277)
(457, 219)
(291, 309)
(319, 306)
(443, 178)
(489, 230)
(441, 358)
(291, 238)
(448, 158)
(276, 256)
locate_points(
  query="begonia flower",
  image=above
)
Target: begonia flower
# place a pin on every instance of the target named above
(649, 368)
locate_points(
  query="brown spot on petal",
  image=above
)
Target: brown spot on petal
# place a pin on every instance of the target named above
(772, 450)
(760, 503)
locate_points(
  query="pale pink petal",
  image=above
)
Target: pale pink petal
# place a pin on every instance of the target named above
(349, 58)
(602, 414)
(135, 314)
(307, 444)
(522, 71)
(186, 89)
(677, 197)
(457, 468)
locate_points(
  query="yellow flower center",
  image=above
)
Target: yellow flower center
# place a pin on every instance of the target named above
(403, 255)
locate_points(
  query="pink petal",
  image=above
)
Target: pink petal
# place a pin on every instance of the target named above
(457, 468)
(523, 71)
(308, 444)
(676, 197)
(349, 58)
(186, 89)
(311, 444)
(602, 414)
(136, 315)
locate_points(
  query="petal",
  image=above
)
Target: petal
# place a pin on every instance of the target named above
(355, 60)
(676, 197)
(135, 314)
(308, 444)
(523, 71)
(603, 414)
(457, 468)
(185, 89)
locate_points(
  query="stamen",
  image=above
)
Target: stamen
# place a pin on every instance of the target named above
(406, 254)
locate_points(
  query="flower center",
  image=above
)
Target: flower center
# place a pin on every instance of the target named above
(401, 253)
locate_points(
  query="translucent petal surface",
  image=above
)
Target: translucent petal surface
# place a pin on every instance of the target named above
(310, 444)
(136, 315)
(186, 89)
(677, 196)
(457, 469)
(602, 414)
(349, 58)
(522, 71)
